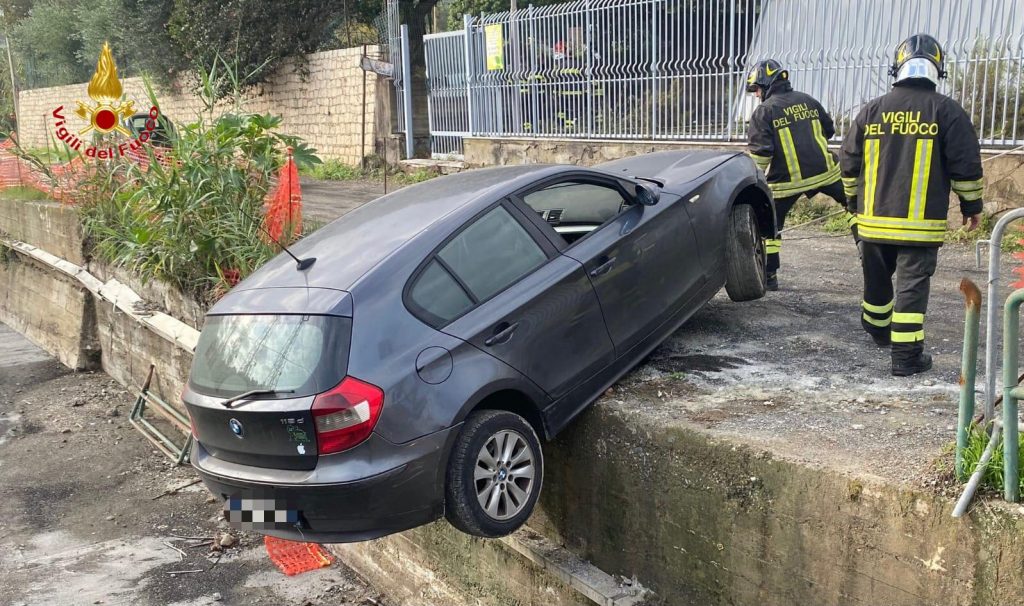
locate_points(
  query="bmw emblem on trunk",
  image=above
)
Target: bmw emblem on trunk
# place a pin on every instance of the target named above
(236, 427)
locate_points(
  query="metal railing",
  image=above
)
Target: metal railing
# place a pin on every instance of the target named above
(675, 69)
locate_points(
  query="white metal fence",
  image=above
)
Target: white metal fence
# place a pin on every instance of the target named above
(448, 101)
(675, 69)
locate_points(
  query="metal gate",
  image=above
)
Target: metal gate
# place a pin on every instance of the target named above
(675, 69)
(448, 93)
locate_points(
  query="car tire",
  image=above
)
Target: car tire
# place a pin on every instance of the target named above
(745, 256)
(475, 477)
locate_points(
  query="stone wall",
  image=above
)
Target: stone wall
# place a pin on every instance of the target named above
(326, 108)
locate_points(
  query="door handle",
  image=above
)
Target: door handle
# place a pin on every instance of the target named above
(603, 268)
(502, 334)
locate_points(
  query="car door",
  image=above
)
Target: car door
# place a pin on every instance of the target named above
(532, 308)
(642, 260)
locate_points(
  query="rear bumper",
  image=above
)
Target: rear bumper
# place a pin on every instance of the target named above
(388, 498)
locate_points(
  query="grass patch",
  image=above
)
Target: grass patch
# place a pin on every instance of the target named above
(22, 193)
(992, 477)
(809, 209)
(333, 170)
(417, 176)
(1013, 238)
(336, 170)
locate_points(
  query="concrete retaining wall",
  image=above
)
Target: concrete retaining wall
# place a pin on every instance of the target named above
(706, 521)
(59, 314)
(327, 108)
(48, 225)
(53, 311)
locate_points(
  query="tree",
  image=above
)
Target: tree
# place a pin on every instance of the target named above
(48, 42)
(255, 36)
(458, 8)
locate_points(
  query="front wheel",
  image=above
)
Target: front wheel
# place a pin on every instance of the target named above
(494, 474)
(745, 256)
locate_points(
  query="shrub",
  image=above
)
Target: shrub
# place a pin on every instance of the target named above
(198, 223)
(195, 220)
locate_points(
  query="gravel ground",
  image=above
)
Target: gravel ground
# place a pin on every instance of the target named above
(795, 374)
(79, 521)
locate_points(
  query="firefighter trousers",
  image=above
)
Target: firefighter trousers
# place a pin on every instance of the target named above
(782, 208)
(900, 313)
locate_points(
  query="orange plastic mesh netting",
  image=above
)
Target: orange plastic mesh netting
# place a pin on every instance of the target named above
(284, 205)
(292, 557)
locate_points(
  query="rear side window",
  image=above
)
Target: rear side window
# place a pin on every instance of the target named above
(481, 261)
(492, 253)
(304, 354)
(437, 292)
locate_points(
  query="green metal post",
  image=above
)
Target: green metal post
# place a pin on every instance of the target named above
(1011, 337)
(968, 369)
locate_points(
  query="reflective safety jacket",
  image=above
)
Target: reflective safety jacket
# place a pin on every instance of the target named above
(789, 135)
(904, 152)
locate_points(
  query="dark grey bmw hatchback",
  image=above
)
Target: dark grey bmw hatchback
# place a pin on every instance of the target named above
(411, 370)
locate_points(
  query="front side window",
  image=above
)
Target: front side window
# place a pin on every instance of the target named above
(575, 208)
(481, 261)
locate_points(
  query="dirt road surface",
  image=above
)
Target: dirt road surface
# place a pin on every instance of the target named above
(79, 521)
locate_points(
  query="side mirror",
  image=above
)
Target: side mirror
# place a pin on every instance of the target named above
(647, 195)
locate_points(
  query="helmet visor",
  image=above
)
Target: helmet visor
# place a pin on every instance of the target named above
(918, 68)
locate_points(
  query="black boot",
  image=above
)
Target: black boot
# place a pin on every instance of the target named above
(905, 368)
(773, 282)
(881, 339)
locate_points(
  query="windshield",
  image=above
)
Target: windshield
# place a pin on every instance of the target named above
(302, 354)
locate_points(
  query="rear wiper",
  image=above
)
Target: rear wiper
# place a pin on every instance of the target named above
(253, 392)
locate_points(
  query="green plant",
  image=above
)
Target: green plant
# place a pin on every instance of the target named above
(992, 477)
(197, 220)
(417, 176)
(334, 170)
(810, 209)
(990, 90)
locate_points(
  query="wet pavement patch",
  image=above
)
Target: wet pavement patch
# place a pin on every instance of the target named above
(696, 363)
(42, 504)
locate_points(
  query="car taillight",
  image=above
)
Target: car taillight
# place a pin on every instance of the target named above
(345, 415)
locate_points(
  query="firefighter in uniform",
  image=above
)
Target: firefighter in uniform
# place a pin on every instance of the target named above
(789, 133)
(904, 152)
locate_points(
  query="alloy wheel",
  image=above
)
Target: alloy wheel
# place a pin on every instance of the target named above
(504, 474)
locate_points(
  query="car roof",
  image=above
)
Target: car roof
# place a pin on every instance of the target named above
(350, 246)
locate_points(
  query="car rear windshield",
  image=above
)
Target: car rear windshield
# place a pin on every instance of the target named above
(302, 354)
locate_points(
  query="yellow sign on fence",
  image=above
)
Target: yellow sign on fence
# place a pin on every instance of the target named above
(494, 39)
